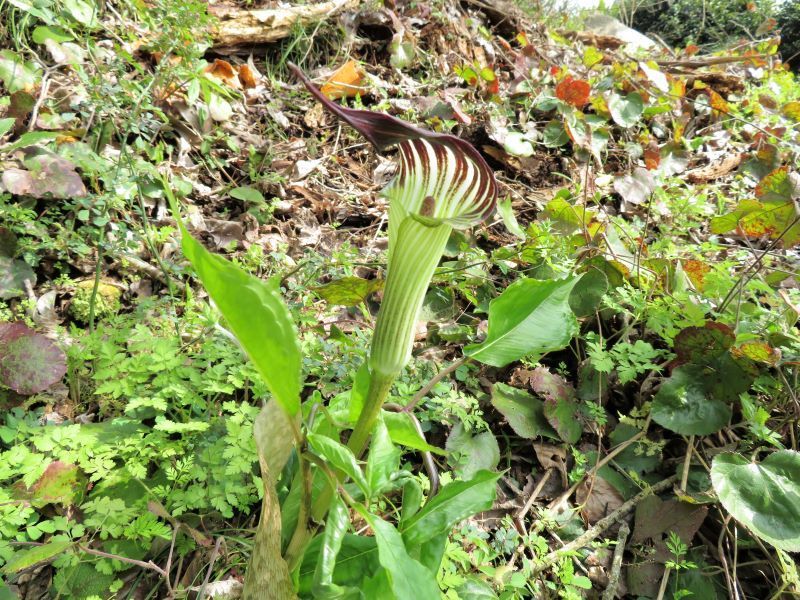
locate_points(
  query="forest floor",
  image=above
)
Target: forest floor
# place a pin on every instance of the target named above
(646, 443)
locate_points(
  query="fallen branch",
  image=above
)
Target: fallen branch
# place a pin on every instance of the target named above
(616, 563)
(247, 27)
(601, 526)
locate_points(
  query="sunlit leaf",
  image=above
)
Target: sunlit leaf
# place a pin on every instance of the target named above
(529, 317)
(764, 496)
(626, 110)
(348, 291)
(470, 453)
(347, 81)
(682, 404)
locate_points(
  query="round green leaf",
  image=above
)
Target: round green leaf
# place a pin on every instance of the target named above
(625, 110)
(518, 145)
(13, 274)
(682, 405)
(588, 292)
(763, 496)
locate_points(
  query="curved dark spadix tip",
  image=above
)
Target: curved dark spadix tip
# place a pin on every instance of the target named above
(383, 131)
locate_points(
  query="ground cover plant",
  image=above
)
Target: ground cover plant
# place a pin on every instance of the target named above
(404, 301)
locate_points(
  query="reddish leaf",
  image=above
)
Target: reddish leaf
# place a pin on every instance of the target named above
(700, 345)
(652, 156)
(29, 362)
(573, 91)
(61, 483)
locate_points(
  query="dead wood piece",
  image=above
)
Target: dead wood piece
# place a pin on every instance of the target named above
(247, 27)
(599, 41)
(715, 170)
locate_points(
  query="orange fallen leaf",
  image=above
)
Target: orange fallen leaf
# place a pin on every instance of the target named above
(246, 77)
(573, 91)
(348, 81)
(223, 71)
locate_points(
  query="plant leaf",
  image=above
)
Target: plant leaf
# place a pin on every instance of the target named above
(625, 110)
(28, 558)
(409, 578)
(257, 317)
(524, 413)
(472, 453)
(683, 406)
(763, 496)
(529, 317)
(336, 525)
(29, 362)
(14, 273)
(383, 459)
(341, 457)
(455, 502)
(403, 431)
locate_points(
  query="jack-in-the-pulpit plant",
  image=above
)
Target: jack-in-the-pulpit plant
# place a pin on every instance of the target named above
(442, 183)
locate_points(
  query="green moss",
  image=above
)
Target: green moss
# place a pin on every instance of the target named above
(106, 303)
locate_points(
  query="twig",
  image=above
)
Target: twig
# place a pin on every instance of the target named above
(706, 62)
(536, 491)
(600, 464)
(616, 563)
(687, 463)
(214, 554)
(662, 589)
(601, 526)
(434, 380)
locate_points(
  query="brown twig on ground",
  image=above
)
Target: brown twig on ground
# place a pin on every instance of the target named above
(616, 563)
(601, 526)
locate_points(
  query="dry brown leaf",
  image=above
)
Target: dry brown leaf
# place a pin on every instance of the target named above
(598, 498)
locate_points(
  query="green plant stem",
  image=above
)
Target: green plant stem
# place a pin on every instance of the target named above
(379, 387)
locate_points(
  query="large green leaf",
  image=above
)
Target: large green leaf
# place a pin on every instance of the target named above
(529, 317)
(335, 528)
(455, 502)
(683, 406)
(257, 317)
(409, 578)
(356, 560)
(763, 496)
(625, 110)
(403, 431)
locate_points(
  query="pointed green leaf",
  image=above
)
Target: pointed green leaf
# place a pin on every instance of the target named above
(257, 317)
(340, 456)
(455, 502)
(408, 577)
(529, 317)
